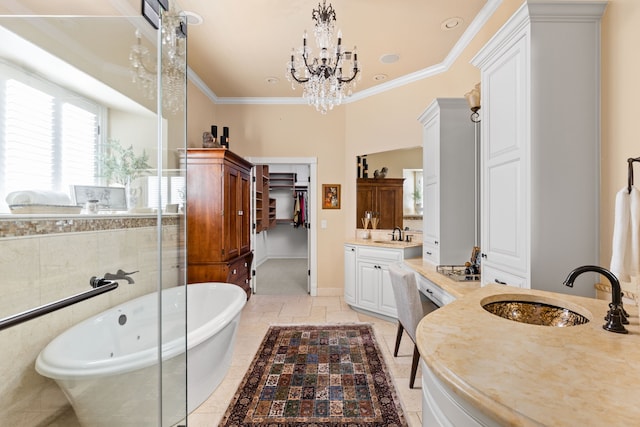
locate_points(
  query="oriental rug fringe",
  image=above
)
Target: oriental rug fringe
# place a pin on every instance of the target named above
(316, 375)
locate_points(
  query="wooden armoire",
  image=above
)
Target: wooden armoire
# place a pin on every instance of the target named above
(218, 217)
(383, 196)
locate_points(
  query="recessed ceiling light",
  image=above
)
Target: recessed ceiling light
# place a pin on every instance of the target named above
(380, 77)
(192, 18)
(272, 80)
(451, 23)
(389, 58)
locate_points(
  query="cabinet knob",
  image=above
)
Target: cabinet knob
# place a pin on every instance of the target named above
(234, 271)
(436, 242)
(483, 255)
(240, 213)
(429, 253)
(499, 282)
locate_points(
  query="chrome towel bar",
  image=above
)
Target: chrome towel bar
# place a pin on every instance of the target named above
(16, 319)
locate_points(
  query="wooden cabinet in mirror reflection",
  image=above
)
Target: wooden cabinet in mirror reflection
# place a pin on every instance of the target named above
(383, 196)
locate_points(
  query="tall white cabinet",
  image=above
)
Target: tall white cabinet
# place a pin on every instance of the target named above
(449, 177)
(540, 145)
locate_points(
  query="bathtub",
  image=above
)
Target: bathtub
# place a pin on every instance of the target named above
(107, 366)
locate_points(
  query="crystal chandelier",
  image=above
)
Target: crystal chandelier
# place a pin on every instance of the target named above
(173, 67)
(322, 80)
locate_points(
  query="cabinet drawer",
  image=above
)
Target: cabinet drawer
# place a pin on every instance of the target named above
(381, 254)
(494, 275)
(238, 271)
(431, 254)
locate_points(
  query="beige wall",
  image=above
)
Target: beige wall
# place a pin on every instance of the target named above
(620, 109)
(389, 120)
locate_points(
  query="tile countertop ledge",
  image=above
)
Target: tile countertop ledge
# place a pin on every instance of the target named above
(527, 375)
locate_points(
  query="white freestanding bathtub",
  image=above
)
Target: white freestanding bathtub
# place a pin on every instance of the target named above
(108, 368)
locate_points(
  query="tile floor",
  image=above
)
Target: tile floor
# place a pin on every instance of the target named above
(262, 311)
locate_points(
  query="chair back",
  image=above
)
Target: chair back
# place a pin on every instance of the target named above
(408, 300)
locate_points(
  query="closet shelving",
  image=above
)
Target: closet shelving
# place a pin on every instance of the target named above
(262, 197)
(284, 181)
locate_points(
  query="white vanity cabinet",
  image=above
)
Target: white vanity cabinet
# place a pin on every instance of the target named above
(449, 177)
(540, 145)
(368, 269)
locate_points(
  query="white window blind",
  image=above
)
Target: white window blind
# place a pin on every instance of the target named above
(172, 190)
(48, 135)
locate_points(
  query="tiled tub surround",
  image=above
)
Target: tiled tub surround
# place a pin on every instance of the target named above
(530, 375)
(47, 263)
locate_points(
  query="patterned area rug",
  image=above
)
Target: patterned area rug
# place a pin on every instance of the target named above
(330, 375)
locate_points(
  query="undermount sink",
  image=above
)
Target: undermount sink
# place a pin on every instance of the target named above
(391, 242)
(535, 311)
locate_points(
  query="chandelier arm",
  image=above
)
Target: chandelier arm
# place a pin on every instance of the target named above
(312, 71)
(301, 80)
(355, 73)
(144, 67)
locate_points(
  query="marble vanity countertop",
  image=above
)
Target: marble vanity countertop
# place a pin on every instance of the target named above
(527, 375)
(383, 243)
(454, 288)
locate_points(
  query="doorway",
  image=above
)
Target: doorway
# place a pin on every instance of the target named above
(285, 261)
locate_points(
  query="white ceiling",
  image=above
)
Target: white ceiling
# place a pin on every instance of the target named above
(242, 43)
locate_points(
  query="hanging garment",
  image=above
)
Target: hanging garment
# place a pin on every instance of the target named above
(303, 207)
(296, 212)
(625, 251)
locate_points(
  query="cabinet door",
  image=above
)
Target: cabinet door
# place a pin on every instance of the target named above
(205, 225)
(431, 183)
(388, 304)
(505, 140)
(389, 204)
(365, 201)
(350, 274)
(244, 217)
(237, 218)
(368, 285)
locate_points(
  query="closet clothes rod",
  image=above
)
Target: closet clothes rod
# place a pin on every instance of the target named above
(630, 162)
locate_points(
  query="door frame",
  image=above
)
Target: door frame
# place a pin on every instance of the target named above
(312, 251)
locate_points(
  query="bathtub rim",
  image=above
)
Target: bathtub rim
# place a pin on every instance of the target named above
(82, 369)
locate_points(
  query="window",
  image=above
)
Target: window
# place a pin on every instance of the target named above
(172, 190)
(48, 135)
(412, 191)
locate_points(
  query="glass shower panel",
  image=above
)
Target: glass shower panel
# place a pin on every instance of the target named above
(127, 364)
(171, 194)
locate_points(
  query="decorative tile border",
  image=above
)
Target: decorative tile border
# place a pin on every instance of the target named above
(32, 226)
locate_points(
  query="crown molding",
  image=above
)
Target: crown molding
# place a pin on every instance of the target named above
(480, 20)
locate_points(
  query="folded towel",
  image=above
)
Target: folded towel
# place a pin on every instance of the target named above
(38, 197)
(625, 250)
(634, 231)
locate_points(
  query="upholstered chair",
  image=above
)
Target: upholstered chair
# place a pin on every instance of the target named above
(410, 310)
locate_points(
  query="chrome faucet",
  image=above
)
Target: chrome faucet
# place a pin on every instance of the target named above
(616, 316)
(120, 275)
(393, 234)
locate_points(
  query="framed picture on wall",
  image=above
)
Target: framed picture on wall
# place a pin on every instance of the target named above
(330, 196)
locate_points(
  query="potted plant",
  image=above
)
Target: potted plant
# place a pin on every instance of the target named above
(123, 166)
(417, 201)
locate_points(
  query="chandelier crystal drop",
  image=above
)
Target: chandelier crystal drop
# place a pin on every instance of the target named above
(323, 83)
(173, 65)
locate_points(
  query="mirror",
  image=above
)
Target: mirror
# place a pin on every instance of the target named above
(400, 163)
(85, 62)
